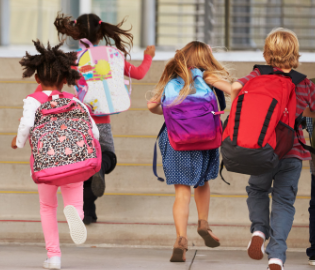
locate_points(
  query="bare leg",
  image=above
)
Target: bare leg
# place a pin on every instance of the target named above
(181, 209)
(202, 199)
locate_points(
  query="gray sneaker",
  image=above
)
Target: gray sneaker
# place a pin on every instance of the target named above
(98, 184)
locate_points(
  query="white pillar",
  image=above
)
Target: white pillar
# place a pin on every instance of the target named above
(148, 21)
(4, 22)
(85, 6)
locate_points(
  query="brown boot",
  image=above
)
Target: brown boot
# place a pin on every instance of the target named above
(180, 248)
(203, 231)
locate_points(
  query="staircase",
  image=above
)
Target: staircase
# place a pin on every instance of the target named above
(136, 209)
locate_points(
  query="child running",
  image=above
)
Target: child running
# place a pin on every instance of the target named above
(53, 70)
(184, 169)
(281, 52)
(91, 27)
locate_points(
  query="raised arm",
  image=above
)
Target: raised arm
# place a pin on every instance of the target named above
(139, 72)
(219, 84)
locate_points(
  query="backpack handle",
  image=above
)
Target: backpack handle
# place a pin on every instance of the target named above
(62, 109)
(84, 42)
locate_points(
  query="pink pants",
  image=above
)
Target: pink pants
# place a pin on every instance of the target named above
(72, 194)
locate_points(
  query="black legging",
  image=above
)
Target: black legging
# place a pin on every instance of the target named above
(108, 164)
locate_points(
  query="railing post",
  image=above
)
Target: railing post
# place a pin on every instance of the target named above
(85, 6)
(208, 21)
(5, 22)
(227, 24)
(71, 7)
(148, 23)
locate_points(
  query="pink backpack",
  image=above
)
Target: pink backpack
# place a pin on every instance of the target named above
(64, 149)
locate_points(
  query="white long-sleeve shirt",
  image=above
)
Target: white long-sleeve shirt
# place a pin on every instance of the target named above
(27, 121)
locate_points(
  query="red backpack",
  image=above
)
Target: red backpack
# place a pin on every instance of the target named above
(260, 127)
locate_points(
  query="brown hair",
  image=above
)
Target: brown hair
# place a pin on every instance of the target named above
(91, 27)
(282, 49)
(52, 65)
(194, 55)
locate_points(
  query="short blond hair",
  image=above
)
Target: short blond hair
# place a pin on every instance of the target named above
(282, 49)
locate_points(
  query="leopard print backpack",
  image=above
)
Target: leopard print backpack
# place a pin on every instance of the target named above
(64, 149)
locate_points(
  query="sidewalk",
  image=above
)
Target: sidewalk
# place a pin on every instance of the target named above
(19, 257)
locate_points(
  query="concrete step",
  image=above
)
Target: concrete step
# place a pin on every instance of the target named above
(128, 178)
(128, 150)
(132, 122)
(147, 208)
(136, 121)
(146, 234)
(10, 69)
(15, 91)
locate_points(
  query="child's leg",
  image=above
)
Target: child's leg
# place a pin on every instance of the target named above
(202, 199)
(311, 250)
(89, 201)
(72, 194)
(181, 209)
(48, 212)
(284, 192)
(258, 202)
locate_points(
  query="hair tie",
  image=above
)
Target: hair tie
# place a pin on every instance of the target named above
(210, 48)
(100, 22)
(75, 21)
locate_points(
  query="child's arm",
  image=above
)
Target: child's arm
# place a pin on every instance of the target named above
(154, 106)
(236, 88)
(26, 122)
(139, 72)
(307, 113)
(219, 84)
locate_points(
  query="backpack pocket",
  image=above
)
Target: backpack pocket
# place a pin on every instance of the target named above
(285, 139)
(192, 126)
(61, 148)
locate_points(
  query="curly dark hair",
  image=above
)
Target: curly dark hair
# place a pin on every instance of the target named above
(52, 65)
(91, 27)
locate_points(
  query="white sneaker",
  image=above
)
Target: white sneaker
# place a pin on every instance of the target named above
(52, 263)
(77, 228)
(311, 260)
(256, 246)
(275, 264)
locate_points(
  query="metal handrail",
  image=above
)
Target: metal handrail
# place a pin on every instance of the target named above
(218, 22)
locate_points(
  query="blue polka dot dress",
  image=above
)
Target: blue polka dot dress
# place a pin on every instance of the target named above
(187, 167)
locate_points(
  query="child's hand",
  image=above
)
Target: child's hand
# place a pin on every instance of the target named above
(150, 50)
(13, 143)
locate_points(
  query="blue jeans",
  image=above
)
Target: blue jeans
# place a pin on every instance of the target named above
(311, 251)
(277, 225)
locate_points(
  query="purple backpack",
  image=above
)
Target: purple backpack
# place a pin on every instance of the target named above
(193, 124)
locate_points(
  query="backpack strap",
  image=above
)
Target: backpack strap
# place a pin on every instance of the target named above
(84, 41)
(40, 97)
(264, 69)
(154, 165)
(295, 76)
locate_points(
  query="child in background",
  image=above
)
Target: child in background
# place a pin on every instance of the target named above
(281, 51)
(310, 252)
(53, 70)
(91, 27)
(184, 169)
